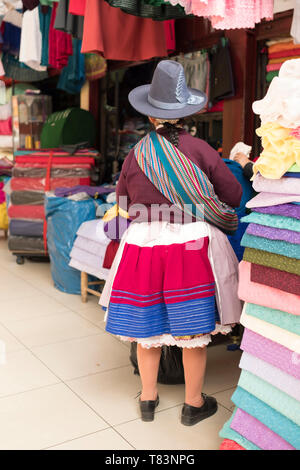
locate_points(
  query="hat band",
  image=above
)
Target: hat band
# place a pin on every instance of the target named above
(163, 105)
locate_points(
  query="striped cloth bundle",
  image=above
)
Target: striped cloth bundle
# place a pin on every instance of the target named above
(279, 53)
(267, 398)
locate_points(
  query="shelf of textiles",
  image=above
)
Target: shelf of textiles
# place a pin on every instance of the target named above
(267, 398)
(36, 172)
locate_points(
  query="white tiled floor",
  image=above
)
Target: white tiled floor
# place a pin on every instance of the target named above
(67, 384)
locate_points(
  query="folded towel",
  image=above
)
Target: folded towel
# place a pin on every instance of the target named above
(271, 352)
(283, 320)
(263, 258)
(272, 233)
(274, 333)
(271, 67)
(277, 221)
(271, 199)
(95, 248)
(93, 230)
(100, 273)
(286, 210)
(266, 296)
(284, 427)
(272, 396)
(271, 374)
(280, 186)
(228, 433)
(274, 278)
(256, 432)
(279, 247)
(281, 60)
(293, 51)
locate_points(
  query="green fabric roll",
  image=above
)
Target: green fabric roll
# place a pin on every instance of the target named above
(283, 263)
(161, 12)
(272, 396)
(271, 75)
(284, 320)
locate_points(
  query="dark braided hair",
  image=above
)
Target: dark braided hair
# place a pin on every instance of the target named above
(173, 131)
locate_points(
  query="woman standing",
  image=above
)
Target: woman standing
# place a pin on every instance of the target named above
(174, 278)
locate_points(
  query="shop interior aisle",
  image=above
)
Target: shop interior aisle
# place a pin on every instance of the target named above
(67, 384)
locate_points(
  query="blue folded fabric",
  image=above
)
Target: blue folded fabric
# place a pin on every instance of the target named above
(291, 174)
(228, 433)
(275, 421)
(279, 247)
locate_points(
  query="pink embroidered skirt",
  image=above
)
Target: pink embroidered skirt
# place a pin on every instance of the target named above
(163, 287)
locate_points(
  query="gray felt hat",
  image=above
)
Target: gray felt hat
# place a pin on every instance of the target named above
(168, 96)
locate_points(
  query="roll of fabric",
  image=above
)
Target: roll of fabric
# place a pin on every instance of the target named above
(274, 278)
(280, 186)
(38, 184)
(276, 221)
(279, 318)
(274, 333)
(26, 244)
(263, 258)
(28, 228)
(279, 424)
(26, 212)
(27, 198)
(271, 233)
(268, 199)
(291, 250)
(286, 210)
(256, 432)
(266, 296)
(274, 376)
(271, 352)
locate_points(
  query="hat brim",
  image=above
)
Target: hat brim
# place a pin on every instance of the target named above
(138, 98)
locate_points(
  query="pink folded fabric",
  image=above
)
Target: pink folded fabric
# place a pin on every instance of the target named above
(257, 433)
(266, 296)
(273, 353)
(278, 186)
(6, 127)
(272, 67)
(266, 199)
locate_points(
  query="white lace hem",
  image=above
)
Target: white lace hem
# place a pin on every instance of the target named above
(169, 340)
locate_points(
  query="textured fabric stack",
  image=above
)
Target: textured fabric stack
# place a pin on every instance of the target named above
(267, 399)
(34, 173)
(279, 51)
(5, 173)
(89, 249)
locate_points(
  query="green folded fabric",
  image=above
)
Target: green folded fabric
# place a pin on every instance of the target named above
(270, 75)
(272, 260)
(279, 247)
(228, 433)
(284, 320)
(270, 220)
(272, 396)
(294, 168)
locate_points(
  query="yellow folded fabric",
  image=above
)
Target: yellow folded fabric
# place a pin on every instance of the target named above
(114, 212)
(3, 217)
(280, 60)
(280, 151)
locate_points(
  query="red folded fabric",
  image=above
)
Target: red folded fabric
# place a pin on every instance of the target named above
(288, 53)
(39, 184)
(227, 444)
(110, 253)
(45, 165)
(40, 158)
(274, 278)
(6, 126)
(26, 212)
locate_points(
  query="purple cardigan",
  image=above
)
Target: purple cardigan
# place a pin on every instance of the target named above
(134, 184)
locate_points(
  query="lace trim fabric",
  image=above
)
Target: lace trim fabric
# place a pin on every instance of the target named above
(229, 14)
(197, 341)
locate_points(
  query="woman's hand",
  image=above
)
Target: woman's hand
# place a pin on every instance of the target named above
(241, 158)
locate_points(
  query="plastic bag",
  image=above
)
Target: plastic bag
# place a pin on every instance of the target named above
(64, 218)
(170, 368)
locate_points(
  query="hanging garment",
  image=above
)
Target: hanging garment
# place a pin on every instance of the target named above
(72, 77)
(77, 7)
(147, 9)
(141, 38)
(221, 74)
(195, 69)
(170, 35)
(60, 44)
(45, 19)
(13, 17)
(67, 22)
(95, 66)
(295, 28)
(31, 41)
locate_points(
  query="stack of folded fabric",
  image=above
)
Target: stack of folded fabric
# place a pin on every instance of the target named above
(34, 173)
(267, 399)
(5, 173)
(89, 249)
(279, 51)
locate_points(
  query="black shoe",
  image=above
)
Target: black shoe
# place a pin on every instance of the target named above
(192, 415)
(147, 408)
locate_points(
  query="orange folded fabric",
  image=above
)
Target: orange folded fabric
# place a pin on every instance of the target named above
(281, 46)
